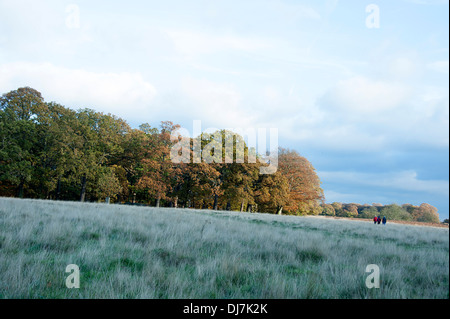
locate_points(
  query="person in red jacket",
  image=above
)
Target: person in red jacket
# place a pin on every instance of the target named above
(375, 219)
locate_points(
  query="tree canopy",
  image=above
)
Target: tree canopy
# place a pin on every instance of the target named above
(50, 151)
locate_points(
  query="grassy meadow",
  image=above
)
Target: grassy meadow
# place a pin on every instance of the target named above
(145, 252)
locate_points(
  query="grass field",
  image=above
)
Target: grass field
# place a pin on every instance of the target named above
(142, 252)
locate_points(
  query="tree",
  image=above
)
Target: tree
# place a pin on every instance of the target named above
(23, 104)
(304, 184)
(338, 208)
(108, 185)
(135, 148)
(100, 144)
(350, 210)
(57, 145)
(239, 181)
(158, 171)
(395, 212)
(311, 207)
(428, 214)
(369, 212)
(328, 210)
(19, 110)
(272, 192)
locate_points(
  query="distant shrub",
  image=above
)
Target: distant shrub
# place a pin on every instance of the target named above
(337, 208)
(369, 212)
(428, 213)
(395, 212)
(328, 210)
(350, 210)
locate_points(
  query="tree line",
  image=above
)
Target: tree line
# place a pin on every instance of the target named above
(50, 151)
(407, 212)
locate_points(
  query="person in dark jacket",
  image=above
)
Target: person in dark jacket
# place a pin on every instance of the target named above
(384, 220)
(379, 220)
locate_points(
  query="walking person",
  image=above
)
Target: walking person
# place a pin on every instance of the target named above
(375, 219)
(384, 220)
(379, 220)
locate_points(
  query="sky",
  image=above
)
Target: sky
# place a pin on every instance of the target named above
(359, 88)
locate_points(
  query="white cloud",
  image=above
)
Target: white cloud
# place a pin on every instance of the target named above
(214, 102)
(366, 96)
(125, 94)
(367, 115)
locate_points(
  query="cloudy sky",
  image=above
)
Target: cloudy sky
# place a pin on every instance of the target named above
(360, 88)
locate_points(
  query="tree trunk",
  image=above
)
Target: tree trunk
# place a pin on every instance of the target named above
(215, 202)
(158, 200)
(58, 189)
(279, 210)
(249, 208)
(242, 206)
(175, 202)
(20, 190)
(83, 188)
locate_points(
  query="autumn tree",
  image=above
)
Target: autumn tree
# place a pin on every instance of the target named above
(304, 184)
(158, 171)
(424, 213)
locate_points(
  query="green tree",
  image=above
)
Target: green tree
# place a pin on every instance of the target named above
(369, 212)
(338, 208)
(328, 210)
(272, 192)
(350, 210)
(395, 212)
(19, 110)
(100, 137)
(108, 185)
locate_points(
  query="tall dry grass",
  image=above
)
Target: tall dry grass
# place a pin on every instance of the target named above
(138, 252)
